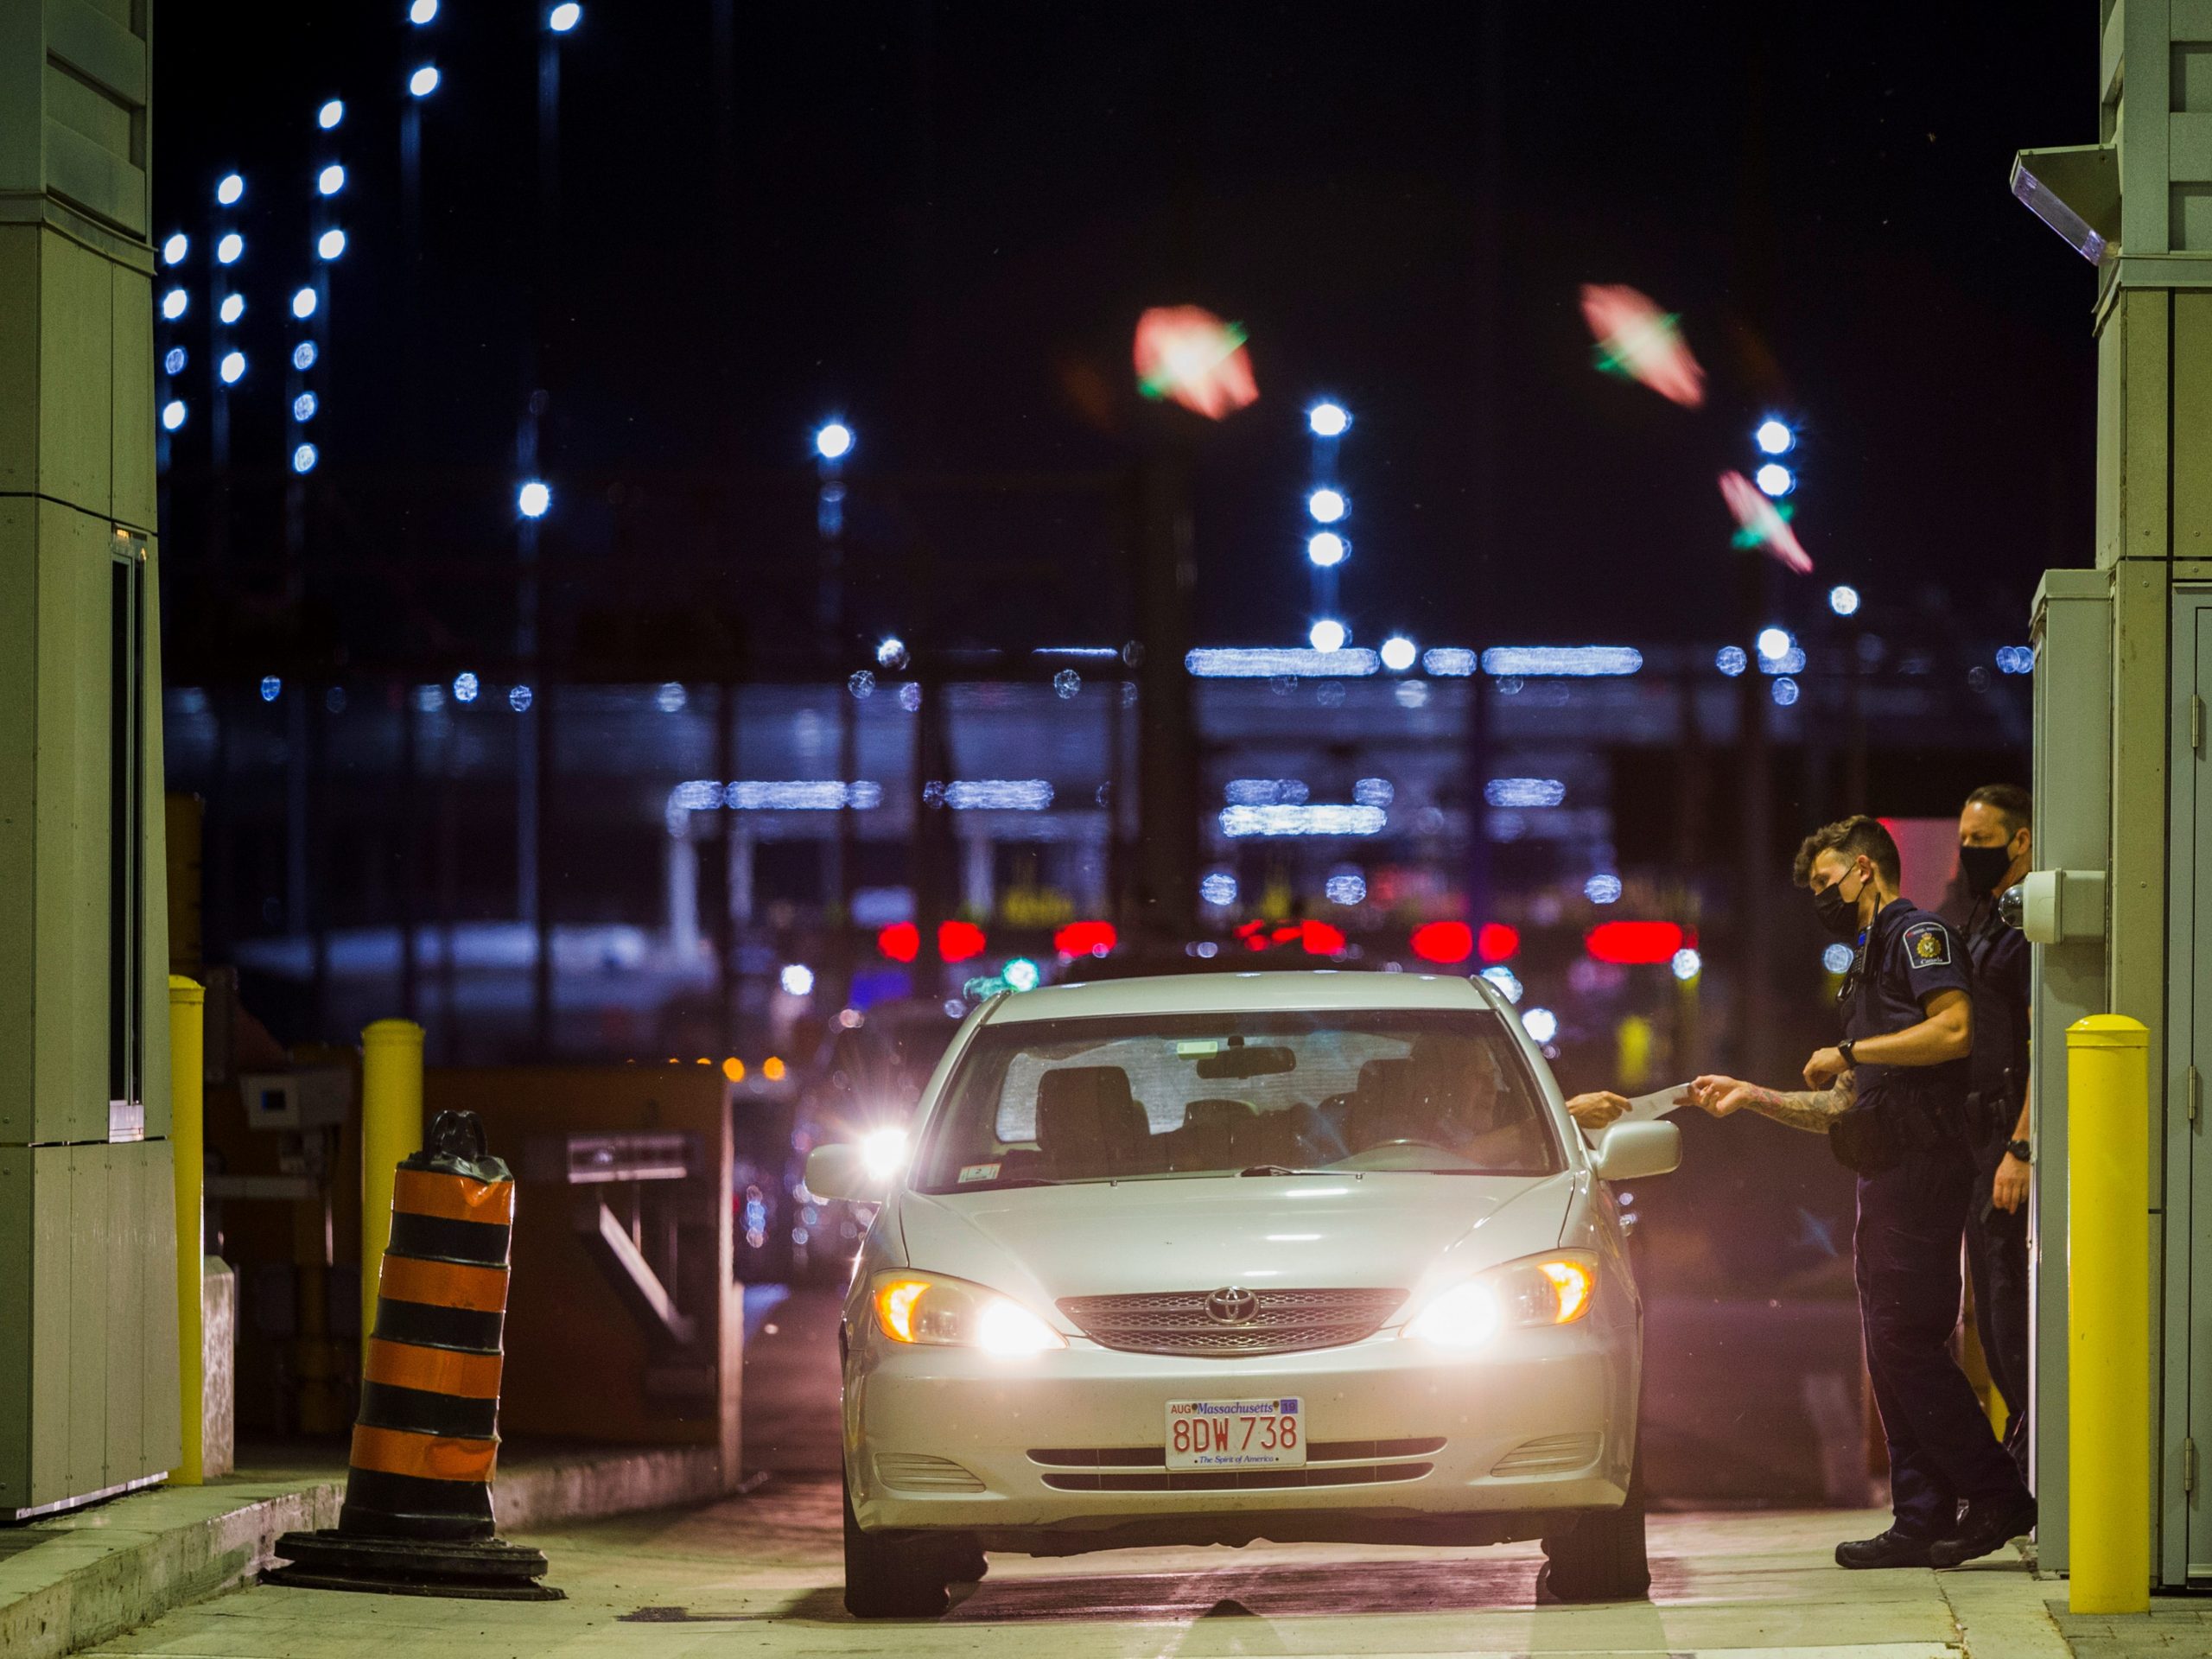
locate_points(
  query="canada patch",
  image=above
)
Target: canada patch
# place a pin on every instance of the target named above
(1927, 945)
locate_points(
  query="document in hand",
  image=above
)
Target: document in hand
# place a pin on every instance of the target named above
(1643, 1109)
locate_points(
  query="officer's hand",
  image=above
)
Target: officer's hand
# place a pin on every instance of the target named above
(1720, 1096)
(2010, 1190)
(1824, 1068)
(1594, 1111)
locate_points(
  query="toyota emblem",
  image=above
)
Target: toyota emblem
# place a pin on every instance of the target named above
(1232, 1304)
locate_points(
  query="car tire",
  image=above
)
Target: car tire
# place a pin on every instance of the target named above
(1600, 1557)
(897, 1575)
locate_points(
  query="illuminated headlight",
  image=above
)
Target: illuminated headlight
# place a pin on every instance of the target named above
(915, 1307)
(1546, 1290)
(883, 1152)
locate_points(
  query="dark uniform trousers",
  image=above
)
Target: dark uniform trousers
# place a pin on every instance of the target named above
(1997, 1243)
(1906, 1245)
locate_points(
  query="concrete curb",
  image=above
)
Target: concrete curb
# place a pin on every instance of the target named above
(100, 1572)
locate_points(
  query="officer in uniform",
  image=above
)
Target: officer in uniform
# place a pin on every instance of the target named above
(1892, 1097)
(1995, 852)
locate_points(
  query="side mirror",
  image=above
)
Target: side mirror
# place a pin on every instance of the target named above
(840, 1172)
(1626, 1152)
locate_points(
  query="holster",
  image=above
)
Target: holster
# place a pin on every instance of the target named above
(1863, 1140)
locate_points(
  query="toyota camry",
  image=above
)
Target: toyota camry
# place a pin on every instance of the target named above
(1297, 1257)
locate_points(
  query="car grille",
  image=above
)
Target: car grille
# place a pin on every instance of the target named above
(1239, 1480)
(1149, 1457)
(1287, 1321)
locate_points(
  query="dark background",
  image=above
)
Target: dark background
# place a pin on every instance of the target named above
(941, 222)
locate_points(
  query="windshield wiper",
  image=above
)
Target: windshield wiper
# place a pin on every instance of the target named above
(1285, 1169)
(988, 1186)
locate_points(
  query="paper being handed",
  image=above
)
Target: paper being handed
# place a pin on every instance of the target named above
(1643, 1109)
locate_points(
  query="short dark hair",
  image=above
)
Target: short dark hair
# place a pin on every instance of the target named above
(1851, 837)
(2009, 802)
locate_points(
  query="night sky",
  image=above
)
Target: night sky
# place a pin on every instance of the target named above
(942, 222)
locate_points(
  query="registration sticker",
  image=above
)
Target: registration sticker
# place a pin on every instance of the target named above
(1197, 1045)
(979, 1171)
(1236, 1433)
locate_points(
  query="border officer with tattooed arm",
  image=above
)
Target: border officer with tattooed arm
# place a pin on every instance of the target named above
(1892, 1099)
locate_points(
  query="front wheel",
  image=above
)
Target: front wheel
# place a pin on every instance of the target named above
(1600, 1555)
(900, 1576)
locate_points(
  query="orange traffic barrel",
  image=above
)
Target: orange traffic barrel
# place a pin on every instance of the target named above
(417, 1515)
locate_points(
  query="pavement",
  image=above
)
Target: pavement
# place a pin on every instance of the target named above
(760, 1574)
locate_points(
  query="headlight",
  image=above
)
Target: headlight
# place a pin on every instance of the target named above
(1547, 1290)
(918, 1307)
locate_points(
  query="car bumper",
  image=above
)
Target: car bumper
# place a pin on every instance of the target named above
(1070, 1442)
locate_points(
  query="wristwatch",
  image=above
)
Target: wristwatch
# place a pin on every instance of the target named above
(2021, 1150)
(1845, 1049)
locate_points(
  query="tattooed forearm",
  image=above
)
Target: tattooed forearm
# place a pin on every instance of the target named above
(1805, 1109)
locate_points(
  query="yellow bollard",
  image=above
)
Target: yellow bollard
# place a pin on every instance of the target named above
(2108, 1313)
(391, 1129)
(187, 1163)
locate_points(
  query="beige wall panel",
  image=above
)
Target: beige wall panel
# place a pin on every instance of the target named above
(53, 1192)
(15, 1326)
(91, 1218)
(131, 401)
(128, 1248)
(160, 1447)
(71, 926)
(18, 752)
(76, 328)
(2192, 425)
(19, 357)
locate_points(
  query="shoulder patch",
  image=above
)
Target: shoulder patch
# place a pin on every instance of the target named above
(1927, 945)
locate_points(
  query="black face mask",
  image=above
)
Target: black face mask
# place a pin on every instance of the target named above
(1838, 914)
(1984, 868)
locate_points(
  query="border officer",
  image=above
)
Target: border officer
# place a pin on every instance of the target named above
(1892, 1099)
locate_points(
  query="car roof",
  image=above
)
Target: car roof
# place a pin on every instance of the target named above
(1313, 989)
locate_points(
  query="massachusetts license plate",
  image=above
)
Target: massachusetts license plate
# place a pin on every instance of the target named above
(1236, 1433)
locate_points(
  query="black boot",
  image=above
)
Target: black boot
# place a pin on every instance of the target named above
(1985, 1528)
(1890, 1549)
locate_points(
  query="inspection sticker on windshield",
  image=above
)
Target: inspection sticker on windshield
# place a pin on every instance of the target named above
(979, 1171)
(1236, 1433)
(1197, 1045)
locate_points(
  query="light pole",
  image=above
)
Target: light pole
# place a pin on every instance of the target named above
(833, 441)
(1328, 507)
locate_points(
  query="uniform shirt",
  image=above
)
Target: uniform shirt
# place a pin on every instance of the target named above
(1907, 955)
(2001, 964)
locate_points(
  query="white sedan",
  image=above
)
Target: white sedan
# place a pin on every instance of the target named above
(1300, 1257)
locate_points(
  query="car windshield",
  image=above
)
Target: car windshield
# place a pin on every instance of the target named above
(1434, 1090)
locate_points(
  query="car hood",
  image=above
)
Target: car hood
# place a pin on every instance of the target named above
(1398, 1230)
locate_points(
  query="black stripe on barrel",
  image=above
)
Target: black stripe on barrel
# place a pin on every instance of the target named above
(434, 1238)
(439, 1327)
(379, 1505)
(421, 1412)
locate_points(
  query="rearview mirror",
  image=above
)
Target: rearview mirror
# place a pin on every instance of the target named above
(840, 1172)
(1626, 1152)
(1247, 1062)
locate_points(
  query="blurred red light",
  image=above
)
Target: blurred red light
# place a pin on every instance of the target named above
(901, 941)
(1634, 942)
(959, 941)
(1496, 941)
(1444, 942)
(1086, 939)
(1321, 939)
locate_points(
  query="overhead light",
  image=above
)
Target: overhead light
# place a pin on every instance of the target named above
(1327, 635)
(533, 499)
(2075, 189)
(1327, 506)
(1774, 438)
(229, 189)
(1398, 653)
(1327, 420)
(833, 442)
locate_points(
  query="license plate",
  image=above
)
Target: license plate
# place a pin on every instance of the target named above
(1236, 1433)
